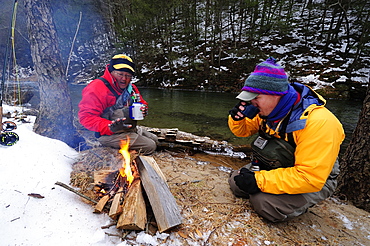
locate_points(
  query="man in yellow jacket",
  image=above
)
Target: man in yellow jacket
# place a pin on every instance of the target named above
(294, 163)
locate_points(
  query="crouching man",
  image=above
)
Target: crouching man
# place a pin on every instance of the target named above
(294, 164)
(105, 108)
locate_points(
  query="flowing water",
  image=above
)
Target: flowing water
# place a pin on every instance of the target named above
(205, 113)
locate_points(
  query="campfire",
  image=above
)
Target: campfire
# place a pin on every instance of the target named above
(125, 194)
(118, 181)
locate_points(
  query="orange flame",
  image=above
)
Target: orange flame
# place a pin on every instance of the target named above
(125, 171)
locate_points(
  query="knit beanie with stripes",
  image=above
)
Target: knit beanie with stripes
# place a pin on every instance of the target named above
(268, 78)
(122, 62)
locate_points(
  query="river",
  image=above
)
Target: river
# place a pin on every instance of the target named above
(205, 113)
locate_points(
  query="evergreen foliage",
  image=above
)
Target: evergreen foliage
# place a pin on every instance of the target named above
(211, 44)
(201, 34)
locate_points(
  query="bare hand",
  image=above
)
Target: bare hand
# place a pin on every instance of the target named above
(144, 109)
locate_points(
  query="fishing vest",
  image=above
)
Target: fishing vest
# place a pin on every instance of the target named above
(270, 152)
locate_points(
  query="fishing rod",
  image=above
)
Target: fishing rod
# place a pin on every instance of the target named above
(7, 137)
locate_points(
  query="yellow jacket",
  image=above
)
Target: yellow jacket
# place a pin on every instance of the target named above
(317, 148)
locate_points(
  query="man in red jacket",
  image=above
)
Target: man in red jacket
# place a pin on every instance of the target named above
(105, 107)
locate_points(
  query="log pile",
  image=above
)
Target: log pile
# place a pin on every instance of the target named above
(127, 203)
(173, 138)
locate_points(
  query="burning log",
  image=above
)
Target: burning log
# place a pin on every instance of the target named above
(108, 189)
(132, 213)
(163, 203)
(121, 194)
(114, 184)
(127, 206)
(133, 216)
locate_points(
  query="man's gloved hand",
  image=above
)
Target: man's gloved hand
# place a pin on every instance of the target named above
(248, 110)
(234, 112)
(119, 125)
(246, 181)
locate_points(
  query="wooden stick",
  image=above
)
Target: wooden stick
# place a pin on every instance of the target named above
(109, 225)
(73, 43)
(76, 192)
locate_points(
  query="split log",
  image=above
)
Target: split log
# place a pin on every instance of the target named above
(133, 216)
(170, 137)
(165, 210)
(155, 166)
(101, 204)
(115, 207)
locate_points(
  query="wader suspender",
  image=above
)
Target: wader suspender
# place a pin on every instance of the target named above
(282, 130)
(97, 134)
(109, 87)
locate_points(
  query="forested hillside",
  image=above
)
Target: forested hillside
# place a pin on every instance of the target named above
(209, 44)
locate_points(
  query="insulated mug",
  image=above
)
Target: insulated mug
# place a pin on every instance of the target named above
(135, 111)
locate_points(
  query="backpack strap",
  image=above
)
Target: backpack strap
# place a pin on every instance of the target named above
(109, 86)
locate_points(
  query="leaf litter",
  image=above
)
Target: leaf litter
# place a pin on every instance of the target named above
(213, 216)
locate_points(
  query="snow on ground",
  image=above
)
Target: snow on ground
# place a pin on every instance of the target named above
(33, 165)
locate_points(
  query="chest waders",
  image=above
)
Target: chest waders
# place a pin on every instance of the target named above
(270, 152)
(118, 110)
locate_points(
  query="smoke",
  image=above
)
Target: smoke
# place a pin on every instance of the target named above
(93, 45)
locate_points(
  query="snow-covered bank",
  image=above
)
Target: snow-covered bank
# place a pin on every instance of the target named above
(33, 165)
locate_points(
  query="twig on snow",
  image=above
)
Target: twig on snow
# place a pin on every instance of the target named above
(76, 192)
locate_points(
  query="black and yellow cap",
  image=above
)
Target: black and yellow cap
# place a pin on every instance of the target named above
(122, 62)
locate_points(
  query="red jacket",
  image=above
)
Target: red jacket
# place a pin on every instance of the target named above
(96, 97)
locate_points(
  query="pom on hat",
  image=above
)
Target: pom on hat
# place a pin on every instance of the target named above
(122, 63)
(268, 78)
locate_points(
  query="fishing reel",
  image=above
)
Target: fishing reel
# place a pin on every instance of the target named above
(8, 126)
(7, 137)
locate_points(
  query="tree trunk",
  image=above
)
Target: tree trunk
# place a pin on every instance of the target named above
(353, 181)
(55, 118)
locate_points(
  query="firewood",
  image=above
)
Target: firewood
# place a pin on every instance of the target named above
(154, 164)
(133, 216)
(170, 137)
(101, 204)
(115, 207)
(101, 176)
(163, 203)
(204, 143)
